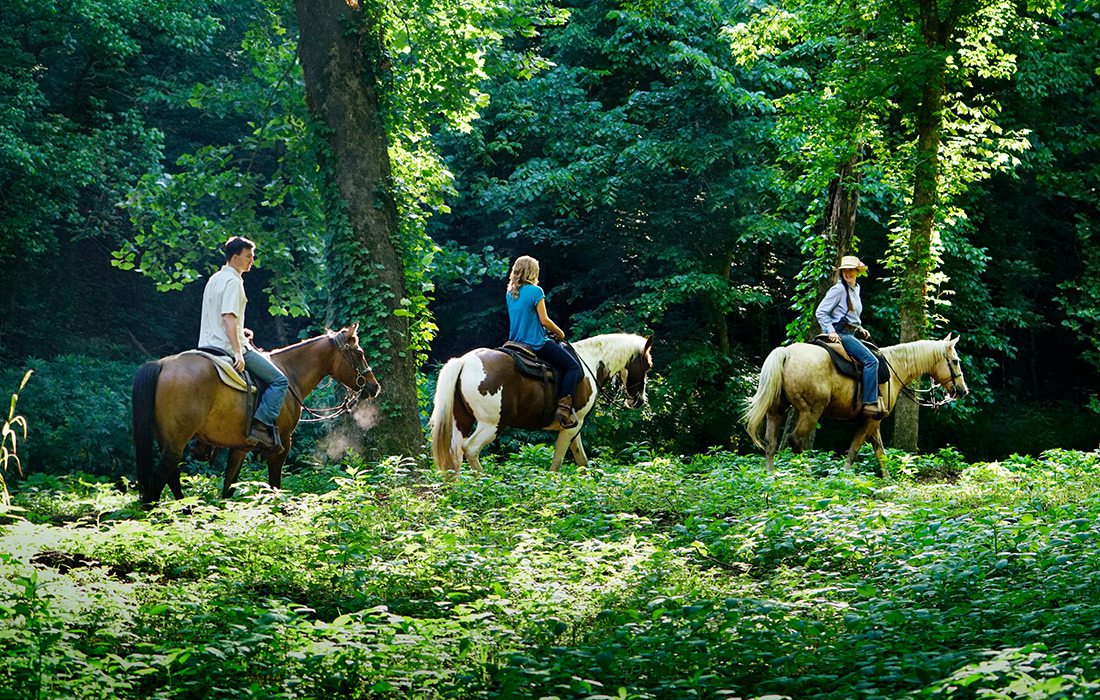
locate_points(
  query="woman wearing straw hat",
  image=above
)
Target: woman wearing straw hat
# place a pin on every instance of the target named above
(838, 313)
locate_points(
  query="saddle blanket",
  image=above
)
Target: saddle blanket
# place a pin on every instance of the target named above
(229, 375)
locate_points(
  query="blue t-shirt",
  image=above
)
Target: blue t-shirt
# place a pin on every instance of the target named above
(523, 317)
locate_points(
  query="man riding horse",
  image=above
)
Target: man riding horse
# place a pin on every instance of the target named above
(222, 327)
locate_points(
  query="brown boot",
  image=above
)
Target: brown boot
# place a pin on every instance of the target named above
(875, 411)
(264, 436)
(567, 417)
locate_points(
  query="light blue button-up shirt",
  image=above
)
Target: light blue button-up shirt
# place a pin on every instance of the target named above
(834, 307)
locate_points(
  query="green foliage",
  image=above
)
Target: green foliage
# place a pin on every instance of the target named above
(80, 409)
(648, 576)
(637, 166)
(258, 180)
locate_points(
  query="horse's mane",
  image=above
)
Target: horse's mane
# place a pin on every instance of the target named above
(327, 335)
(615, 349)
(916, 355)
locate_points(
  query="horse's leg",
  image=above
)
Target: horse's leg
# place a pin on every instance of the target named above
(771, 438)
(482, 436)
(578, 452)
(807, 421)
(275, 463)
(233, 464)
(564, 437)
(867, 427)
(169, 472)
(876, 441)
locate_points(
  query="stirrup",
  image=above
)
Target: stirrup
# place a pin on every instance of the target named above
(874, 411)
(264, 436)
(566, 416)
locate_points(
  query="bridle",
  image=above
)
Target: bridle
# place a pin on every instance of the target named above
(927, 397)
(362, 371)
(605, 397)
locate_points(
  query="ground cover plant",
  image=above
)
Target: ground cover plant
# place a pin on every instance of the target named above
(646, 576)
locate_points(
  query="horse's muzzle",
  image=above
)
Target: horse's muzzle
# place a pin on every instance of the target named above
(371, 390)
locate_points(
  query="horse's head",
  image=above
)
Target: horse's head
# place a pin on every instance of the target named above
(352, 369)
(635, 375)
(948, 369)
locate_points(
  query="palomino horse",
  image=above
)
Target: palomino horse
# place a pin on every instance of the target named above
(483, 386)
(803, 376)
(181, 396)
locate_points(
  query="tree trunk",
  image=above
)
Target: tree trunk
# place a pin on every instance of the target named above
(926, 173)
(341, 59)
(839, 230)
(840, 216)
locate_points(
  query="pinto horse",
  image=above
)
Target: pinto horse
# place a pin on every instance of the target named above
(802, 375)
(179, 397)
(483, 386)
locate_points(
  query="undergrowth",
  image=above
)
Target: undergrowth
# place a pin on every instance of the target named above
(645, 576)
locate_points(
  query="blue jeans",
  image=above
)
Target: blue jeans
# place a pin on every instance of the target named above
(562, 360)
(859, 352)
(271, 404)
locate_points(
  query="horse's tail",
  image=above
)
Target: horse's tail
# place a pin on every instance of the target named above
(446, 440)
(143, 400)
(767, 394)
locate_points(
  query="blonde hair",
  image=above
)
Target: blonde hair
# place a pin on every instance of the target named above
(525, 270)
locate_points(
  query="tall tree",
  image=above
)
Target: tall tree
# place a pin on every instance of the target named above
(343, 61)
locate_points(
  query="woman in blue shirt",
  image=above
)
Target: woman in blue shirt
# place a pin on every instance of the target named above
(529, 324)
(838, 313)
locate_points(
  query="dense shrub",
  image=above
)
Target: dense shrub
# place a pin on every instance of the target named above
(78, 414)
(651, 576)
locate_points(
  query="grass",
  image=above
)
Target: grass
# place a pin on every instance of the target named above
(645, 576)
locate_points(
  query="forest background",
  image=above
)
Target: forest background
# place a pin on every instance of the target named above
(686, 169)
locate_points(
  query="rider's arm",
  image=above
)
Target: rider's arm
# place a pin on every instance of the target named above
(230, 321)
(544, 319)
(824, 313)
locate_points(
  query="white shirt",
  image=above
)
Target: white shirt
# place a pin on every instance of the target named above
(224, 294)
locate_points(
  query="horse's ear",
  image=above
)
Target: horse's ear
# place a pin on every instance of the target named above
(354, 328)
(648, 344)
(948, 338)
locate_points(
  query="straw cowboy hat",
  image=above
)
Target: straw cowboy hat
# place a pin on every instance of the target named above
(851, 262)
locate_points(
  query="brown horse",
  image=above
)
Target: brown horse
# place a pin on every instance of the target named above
(803, 376)
(483, 386)
(181, 396)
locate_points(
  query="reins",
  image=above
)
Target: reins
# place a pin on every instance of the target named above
(349, 402)
(915, 395)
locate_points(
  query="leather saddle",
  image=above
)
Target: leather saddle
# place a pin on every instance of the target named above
(528, 364)
(848, 367)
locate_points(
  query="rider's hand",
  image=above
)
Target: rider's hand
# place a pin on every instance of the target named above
(866, 333)
(834, 337)
(238, 362)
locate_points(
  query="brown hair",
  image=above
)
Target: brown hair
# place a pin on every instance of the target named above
(235, 245)
(525, 270)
